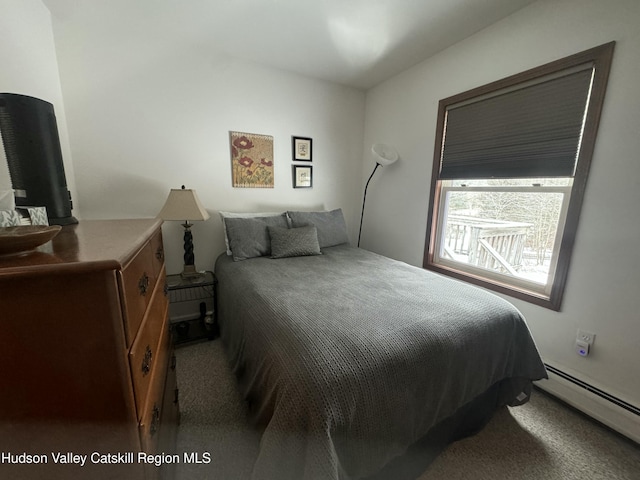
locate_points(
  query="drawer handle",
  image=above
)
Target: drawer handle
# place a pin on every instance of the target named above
(173, 362)
(176, 394)
(155, 420)
(146, 361)
(143, 284)
(160, 254)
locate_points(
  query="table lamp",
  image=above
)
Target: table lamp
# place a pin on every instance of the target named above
(183, 204)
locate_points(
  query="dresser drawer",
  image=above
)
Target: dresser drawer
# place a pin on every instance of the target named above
(138, 280)
(150, 347)
(149, 425)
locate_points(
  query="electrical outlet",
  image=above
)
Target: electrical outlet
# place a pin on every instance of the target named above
(586, 337)
(582, 348)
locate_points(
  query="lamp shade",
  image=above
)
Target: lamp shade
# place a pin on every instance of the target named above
(183, 204)
(384, 154)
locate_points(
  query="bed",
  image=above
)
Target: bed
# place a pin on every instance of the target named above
(349, 360)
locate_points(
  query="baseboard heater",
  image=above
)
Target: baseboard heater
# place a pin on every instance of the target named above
(596, 391)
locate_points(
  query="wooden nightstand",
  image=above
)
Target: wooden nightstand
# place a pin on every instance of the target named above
(192, 312)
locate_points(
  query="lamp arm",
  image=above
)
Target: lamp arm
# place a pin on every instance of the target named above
(364, 199)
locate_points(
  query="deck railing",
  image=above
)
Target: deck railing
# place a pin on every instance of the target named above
(487, 243)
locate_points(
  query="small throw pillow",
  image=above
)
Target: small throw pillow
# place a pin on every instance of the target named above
(294, 242)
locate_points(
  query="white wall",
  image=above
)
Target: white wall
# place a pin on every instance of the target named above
(149, 111)
(29, 67)
(603, 289)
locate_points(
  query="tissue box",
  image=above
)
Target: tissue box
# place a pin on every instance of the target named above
(10, 218)
(33, 215)
(24, 216)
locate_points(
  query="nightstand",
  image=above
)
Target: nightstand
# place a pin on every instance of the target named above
(192, 312)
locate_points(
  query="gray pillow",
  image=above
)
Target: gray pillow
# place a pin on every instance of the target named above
(249, 237)
(294, 242)
(224, 215)
(332, 229)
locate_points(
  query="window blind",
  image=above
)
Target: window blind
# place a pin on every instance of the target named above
(533, 131)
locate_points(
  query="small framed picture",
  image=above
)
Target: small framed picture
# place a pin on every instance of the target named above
(302, 149)
(302, 176)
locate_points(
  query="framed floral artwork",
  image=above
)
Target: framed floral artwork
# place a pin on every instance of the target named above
(302, 148)
(251, 160)
(302, 176)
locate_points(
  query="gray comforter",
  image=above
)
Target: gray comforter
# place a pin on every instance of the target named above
(347, 358)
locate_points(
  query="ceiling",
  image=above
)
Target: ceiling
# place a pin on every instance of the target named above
(359, 43)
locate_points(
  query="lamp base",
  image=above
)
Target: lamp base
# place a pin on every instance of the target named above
(191, 273)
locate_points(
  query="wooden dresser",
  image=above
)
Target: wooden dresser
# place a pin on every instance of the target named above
(86, 362)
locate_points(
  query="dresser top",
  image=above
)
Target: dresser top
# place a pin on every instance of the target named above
(87, 245)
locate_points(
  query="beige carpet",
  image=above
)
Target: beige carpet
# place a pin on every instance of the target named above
(540, 440)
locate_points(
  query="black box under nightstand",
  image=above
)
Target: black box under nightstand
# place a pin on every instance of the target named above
(192, 312)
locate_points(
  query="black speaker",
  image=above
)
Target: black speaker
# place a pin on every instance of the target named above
(32, 146)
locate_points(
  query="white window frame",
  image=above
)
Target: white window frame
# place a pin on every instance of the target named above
(514, 282)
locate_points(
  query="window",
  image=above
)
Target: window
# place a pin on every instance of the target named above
(510, 169)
